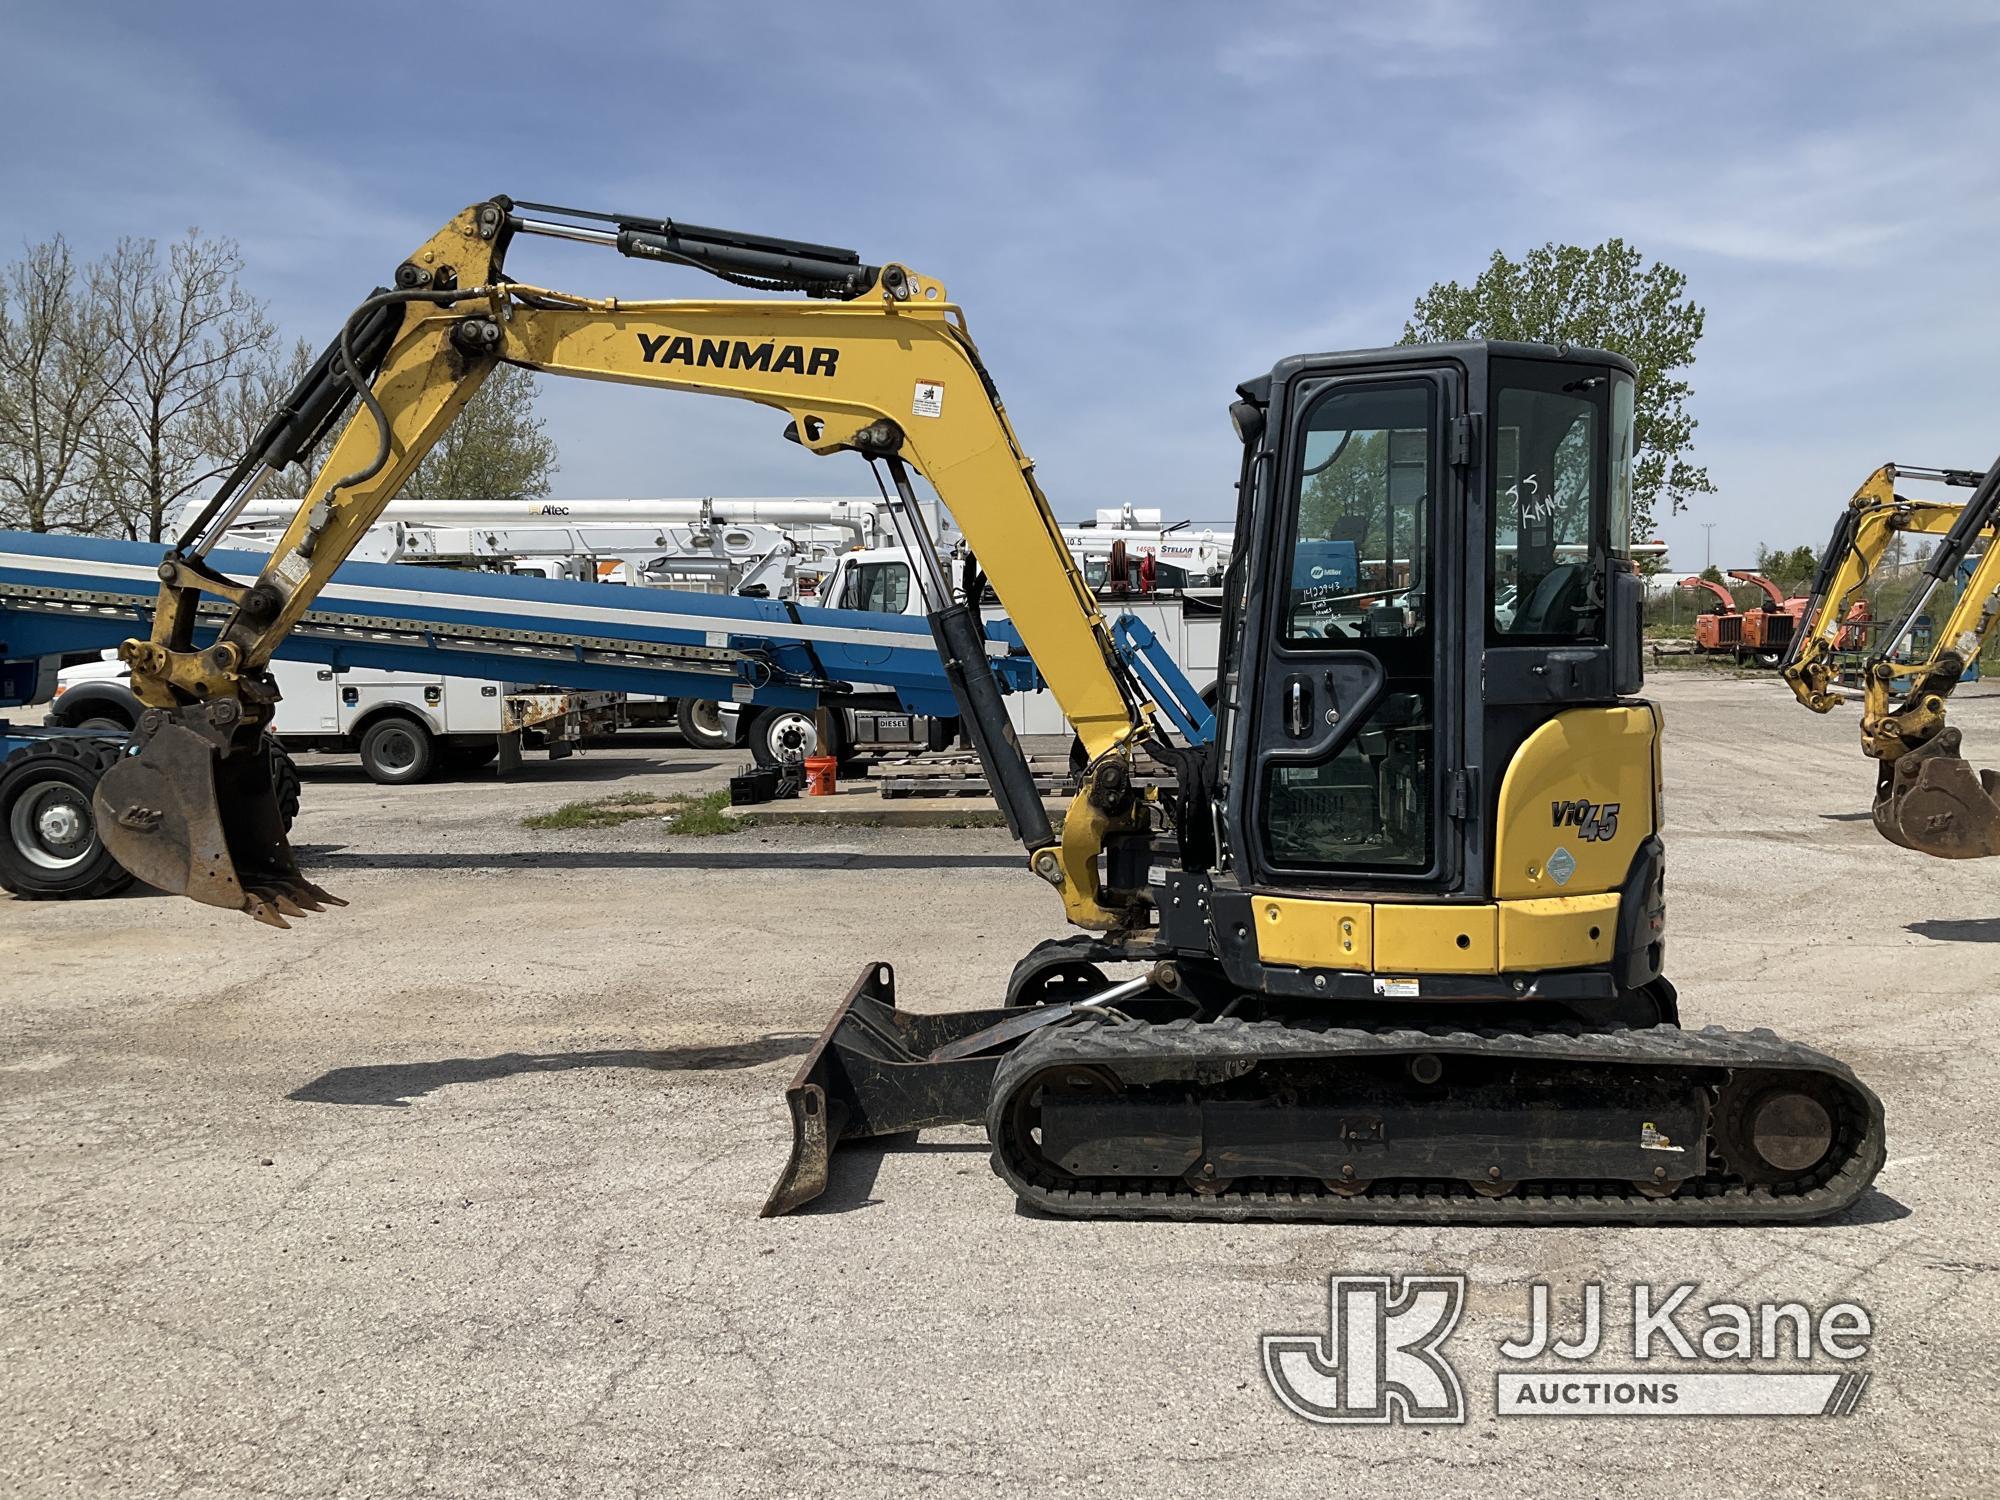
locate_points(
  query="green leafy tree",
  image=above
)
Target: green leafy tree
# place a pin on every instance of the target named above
(1604, 297)
(1791, 569)
(1344, 499)
(1712, 573)
(495, 450)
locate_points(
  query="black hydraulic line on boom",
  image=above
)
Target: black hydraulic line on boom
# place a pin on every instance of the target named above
(765, 261)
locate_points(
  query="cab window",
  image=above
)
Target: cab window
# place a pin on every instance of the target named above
(1358, 561)
(1549, 506)
(881, 588)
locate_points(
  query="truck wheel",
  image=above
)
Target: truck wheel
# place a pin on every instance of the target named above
(49, 849)
(778, 735)
(96, 716)
(284, 780)
(700, 723)
(1771, 659)
(397, 751)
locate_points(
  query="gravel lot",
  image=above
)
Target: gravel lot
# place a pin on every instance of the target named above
(454, 1192)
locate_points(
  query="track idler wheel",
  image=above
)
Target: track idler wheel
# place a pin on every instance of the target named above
(1774, 1129)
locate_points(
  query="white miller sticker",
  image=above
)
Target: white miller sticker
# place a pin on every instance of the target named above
(929, 400)
(292, 568)
(1396, 989)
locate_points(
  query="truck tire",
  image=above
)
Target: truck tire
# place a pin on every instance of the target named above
(49, 849)
(778, 735)
(107, 706)
(396, 750)
(284, 779)
(701, 725)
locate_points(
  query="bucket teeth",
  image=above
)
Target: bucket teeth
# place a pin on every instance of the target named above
(256, 905)
(272, 902)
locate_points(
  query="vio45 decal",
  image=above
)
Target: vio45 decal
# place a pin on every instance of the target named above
(1593, 821)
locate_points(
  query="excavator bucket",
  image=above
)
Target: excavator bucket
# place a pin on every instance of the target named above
(1929, 799)
(197, 820)
(877, 1071)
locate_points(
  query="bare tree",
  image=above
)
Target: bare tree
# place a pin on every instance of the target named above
(246, 403)
(495, 450)
(186, 333)
(55, 374)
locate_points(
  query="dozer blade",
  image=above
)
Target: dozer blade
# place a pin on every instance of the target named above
(1929, 799)
(878, 1071)
(198, 821)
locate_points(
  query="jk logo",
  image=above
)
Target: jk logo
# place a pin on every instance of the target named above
(1379, 1359)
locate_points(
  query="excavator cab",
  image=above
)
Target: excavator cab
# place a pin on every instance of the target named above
(1485, 489)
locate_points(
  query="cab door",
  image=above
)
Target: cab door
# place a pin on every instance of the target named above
(1558, 529)
(1351, 694)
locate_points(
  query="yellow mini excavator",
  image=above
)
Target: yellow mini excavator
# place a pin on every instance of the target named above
(1927, 797)
(1389, 947)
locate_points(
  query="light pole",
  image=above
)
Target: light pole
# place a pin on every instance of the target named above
(1707, 545)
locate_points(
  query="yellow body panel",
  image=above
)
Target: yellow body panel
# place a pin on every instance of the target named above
(1599, 760)
(1560, 932)
(1607, 759)
(1315, 934)
(1437, 939)
(1556, 932)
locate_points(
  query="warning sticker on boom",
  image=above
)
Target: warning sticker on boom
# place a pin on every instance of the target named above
(929, 401)
(292, 568)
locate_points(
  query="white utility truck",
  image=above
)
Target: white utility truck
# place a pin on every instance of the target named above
(404, 726)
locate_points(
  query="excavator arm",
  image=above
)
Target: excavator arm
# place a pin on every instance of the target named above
(1927, 797)
(871, 360)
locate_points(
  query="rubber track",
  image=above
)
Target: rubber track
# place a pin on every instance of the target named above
(1081, 947)
(1715, 1198)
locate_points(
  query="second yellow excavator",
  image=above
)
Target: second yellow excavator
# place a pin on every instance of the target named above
(1927, 796)
(1390, 947)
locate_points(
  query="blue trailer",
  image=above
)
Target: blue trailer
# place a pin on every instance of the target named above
(67, 598)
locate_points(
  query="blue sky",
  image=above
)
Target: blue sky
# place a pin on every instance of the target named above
(1138, 205)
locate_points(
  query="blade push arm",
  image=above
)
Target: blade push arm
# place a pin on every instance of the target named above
(875, 361)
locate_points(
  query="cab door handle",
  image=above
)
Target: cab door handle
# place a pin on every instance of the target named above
(1298, 705)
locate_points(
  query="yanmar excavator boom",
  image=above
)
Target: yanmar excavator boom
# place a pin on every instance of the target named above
(1390, 945)
(1927, 797)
